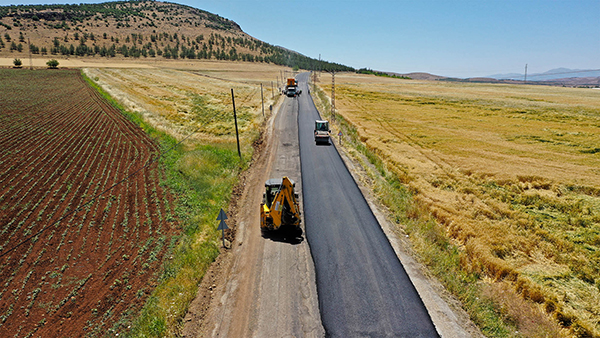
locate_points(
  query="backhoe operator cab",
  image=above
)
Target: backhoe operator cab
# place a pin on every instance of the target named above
(271, 189)
(322, 131)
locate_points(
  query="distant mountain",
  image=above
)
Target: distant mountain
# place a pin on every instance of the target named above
(508, 76)
(578, 81)
(562, 73)
(553, 74)
(424, 76)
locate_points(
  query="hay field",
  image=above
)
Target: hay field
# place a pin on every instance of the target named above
(510, 172)
(180, 98)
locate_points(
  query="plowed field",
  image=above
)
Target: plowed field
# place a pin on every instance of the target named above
(84, 222)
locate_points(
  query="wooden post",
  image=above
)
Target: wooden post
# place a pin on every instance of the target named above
(237, 135)
(262, 99)
(30, 59)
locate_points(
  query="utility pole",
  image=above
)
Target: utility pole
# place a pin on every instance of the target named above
(272, 92)
(525, 81)
(262, 99)
(30, 59)
(237, 135)
(319, 71)
(332, 93)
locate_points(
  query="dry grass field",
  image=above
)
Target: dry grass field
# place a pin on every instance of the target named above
(181, 98)
(511, 173)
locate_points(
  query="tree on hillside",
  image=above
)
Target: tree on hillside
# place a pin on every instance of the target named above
(210, 45)
(34, 49)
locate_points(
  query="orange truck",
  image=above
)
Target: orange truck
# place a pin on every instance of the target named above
(291, 88)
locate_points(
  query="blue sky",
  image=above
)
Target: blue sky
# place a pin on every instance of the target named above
(451, 38)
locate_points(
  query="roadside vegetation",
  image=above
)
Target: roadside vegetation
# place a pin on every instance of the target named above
(52, 64)
(497, 188)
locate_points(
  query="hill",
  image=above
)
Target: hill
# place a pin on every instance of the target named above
(136, 29)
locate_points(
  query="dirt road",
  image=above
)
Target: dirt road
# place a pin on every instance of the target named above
(262, 287)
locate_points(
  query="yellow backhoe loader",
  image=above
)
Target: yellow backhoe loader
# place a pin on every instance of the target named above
(280, 209)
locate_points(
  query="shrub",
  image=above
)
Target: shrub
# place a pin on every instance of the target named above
(17, 63)
(52, 64)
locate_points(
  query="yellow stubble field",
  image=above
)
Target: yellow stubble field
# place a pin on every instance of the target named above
(511, 172)
(193, 97)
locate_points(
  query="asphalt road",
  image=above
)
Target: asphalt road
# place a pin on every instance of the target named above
(287, 304)
(362, 287)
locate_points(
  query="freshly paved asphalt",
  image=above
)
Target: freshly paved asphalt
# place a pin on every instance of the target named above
(362, 287)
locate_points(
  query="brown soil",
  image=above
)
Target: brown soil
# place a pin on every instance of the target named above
(92, 237)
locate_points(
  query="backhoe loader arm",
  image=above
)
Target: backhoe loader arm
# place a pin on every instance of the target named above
(284, 208)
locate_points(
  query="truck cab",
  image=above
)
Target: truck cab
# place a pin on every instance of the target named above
(291, 91)
(322, 132)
